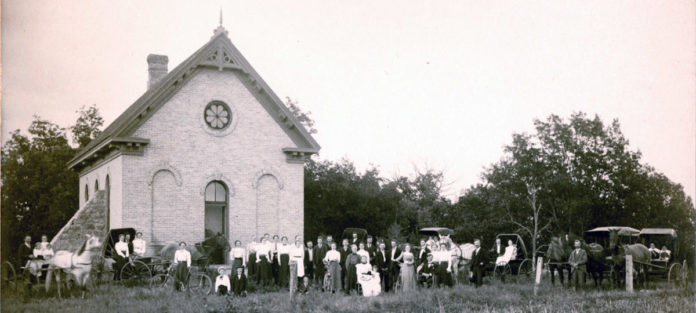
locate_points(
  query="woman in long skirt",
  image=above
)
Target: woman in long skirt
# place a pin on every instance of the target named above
(297, 257)
(237, 255)
(332, 260)
(251, 258)
(182, 262)
(352, 260)
(264, 256)
(408, 274)
(284, 259)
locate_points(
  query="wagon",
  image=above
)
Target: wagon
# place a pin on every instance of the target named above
(666, 265)
(519, 265)
(138, 270)
(600, 235)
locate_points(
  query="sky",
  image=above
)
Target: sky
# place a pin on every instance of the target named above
(395, 84)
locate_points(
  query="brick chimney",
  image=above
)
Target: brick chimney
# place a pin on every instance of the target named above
(157, 68)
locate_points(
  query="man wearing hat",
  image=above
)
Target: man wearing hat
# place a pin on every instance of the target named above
(222, 282)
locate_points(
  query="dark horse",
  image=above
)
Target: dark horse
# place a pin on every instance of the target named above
(639, 252)
(215, 246)
(596, 262)
(558, 253)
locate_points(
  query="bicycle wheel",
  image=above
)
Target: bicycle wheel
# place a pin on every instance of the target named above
(136, 272)
(200, 283)
(9, 276)
(161, 281)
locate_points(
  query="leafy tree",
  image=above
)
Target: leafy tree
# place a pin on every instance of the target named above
(304, 118)
(584, 175)
(39, 192)
(87, 125)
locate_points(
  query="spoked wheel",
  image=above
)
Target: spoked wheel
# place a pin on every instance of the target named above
(525, 272)
(200, 283)
(502, 271)
(161, 281)
(676, 276)
(9, 276)
(136, 273)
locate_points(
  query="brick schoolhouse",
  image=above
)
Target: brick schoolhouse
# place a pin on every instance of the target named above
(208, 148)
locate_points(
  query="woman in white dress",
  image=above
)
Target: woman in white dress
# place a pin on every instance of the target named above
(332, 261)
(510, 252)
(408, 273)
(297, 257)
(368, 278)
(362, 252)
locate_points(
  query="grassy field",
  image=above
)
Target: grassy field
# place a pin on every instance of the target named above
(494, 297)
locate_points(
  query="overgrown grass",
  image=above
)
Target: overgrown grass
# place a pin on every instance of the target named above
(494, 297)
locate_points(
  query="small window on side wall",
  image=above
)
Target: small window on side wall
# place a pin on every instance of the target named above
(86, 192)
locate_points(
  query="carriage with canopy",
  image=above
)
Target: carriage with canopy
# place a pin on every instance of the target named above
(664, 263)
(515, 262)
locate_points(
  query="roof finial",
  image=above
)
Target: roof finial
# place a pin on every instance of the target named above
(220, 29)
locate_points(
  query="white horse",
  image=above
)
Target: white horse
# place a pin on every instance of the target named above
(77, 264)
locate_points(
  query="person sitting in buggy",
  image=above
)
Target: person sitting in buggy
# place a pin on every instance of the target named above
(665, 253)
(654, 252)
(121, 256)
(368, 278)
(510, 254)
(139, 245)
(426, 272)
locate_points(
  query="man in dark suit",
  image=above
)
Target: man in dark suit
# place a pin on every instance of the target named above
(478, 263)
(355, 240)
(239, 283)
(371, 249)
(422, 254)
(344, 251)
(394, 253)
(498, 249)
(382, 263)
(319, 253)
(309, 261)
(25, 251)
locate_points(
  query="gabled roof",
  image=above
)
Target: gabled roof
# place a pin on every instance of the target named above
(218, 53)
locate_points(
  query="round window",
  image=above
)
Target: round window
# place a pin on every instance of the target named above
(217, 115)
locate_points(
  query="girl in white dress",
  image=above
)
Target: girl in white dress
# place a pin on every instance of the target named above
(297, 257)
(368, 278)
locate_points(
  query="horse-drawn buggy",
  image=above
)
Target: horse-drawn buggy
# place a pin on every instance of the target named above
(664, 261)
(512, 260)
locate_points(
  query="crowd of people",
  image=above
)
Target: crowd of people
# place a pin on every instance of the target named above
(353, 265)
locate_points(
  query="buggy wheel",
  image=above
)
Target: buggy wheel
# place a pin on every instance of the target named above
(200, 283)
(161, 281)
(502, 271)
(674, 276)
(135, 272)
(525, 272)
(9, 276)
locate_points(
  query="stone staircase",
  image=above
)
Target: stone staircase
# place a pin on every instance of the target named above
(89, 219)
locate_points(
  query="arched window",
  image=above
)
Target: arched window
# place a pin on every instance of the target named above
(96, 185)
(216, 212)
(86, 192)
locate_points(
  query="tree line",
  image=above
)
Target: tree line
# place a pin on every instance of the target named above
(568, 176)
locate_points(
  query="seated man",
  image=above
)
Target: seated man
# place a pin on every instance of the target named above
(426, 272)
(222, 282)
(368, 278)
(654, 251)
(305, 287)
(239, 283)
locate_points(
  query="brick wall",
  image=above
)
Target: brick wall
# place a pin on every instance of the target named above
(184, 156)
(90, 219)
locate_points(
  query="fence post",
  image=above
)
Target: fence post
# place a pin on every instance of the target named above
(537, 279)
(629, 273)
(293, 277)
